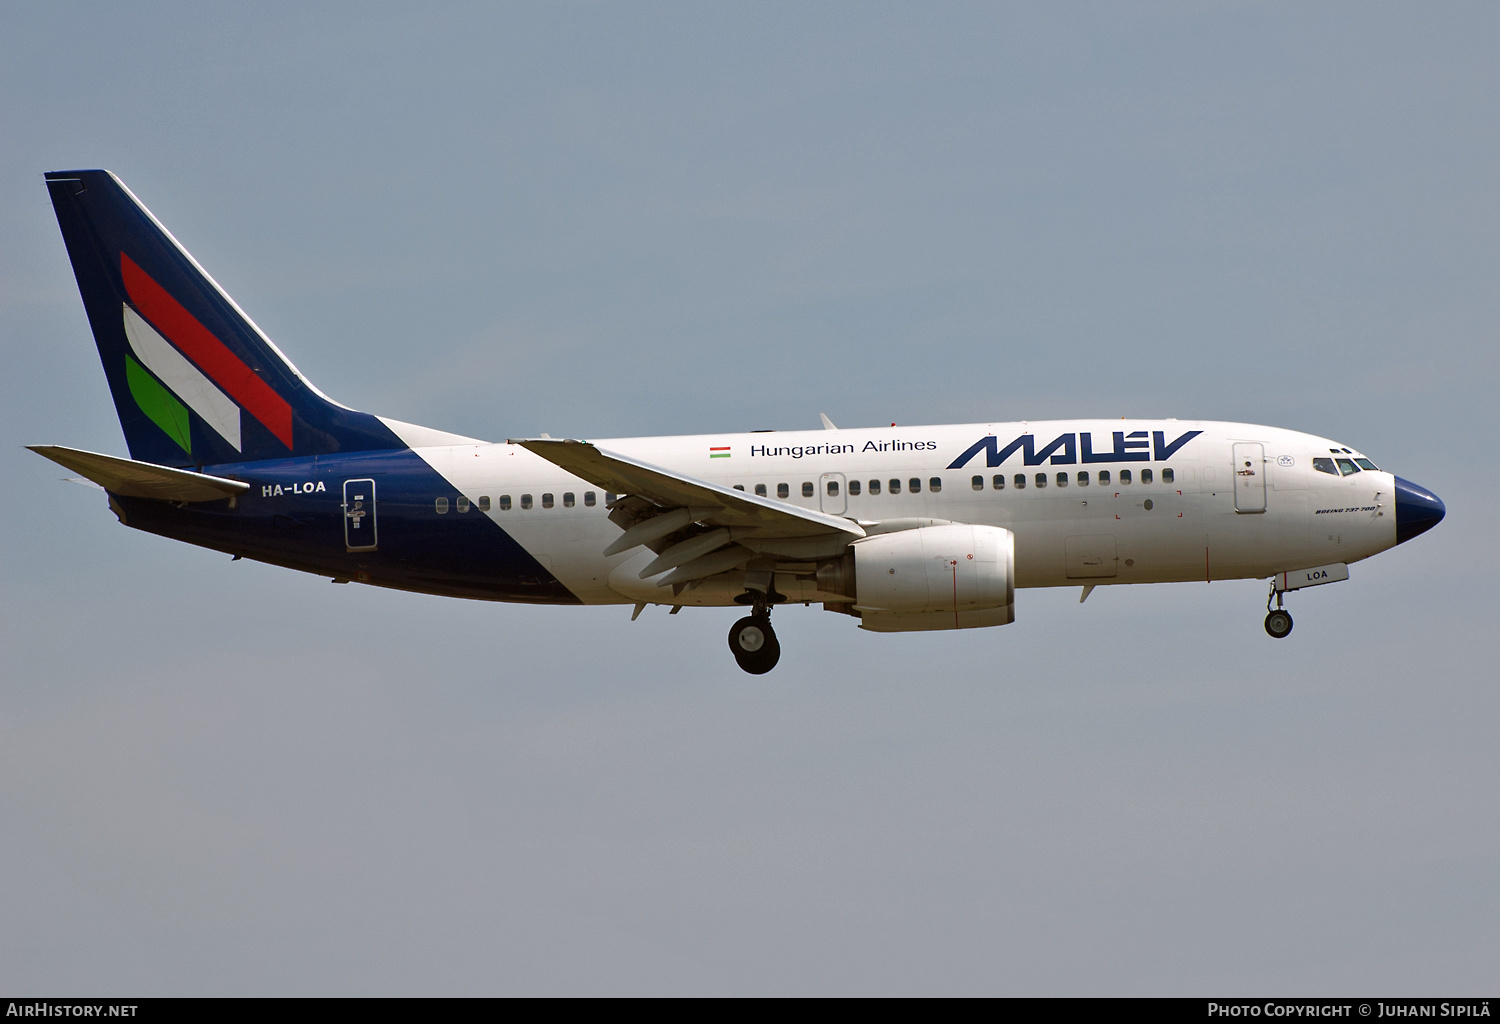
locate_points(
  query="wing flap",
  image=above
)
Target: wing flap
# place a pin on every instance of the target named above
(142, 479)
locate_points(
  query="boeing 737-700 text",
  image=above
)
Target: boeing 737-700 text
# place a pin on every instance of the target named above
(912, 528)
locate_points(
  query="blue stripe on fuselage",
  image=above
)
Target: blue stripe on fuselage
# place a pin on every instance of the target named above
(459, 554)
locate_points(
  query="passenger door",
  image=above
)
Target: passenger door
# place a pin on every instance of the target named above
(1249, 471)
(359, 515)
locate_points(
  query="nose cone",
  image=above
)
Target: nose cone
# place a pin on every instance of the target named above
(1417, 510)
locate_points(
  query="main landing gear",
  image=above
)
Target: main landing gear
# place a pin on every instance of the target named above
(752, 640)
(1278, 621)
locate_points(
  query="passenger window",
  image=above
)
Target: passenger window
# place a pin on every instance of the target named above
(998, 482)
(442, 506)
(1348, 466)
(853, 486)
(1124, 476)
(1367, 464)
(609, 498)
(546, 500)
(739, 487)
(914, 485)
(567, 499)
(783, 490)
(1062, 479)
(484, 503)
(874, 486)
(1325, 466)
(1146, 476)
(1103, 478)
(895, 486)
(505, 503)
(935, 484)
(588, 498)
(1041, 479)
(1168, 476)
(760, 490)
(977, 483)
(807, 489)
(525, 501)
(462, 503)
(1083, 478)
(833, 488)
(1020, 481)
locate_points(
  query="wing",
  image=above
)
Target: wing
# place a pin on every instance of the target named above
(697, 528)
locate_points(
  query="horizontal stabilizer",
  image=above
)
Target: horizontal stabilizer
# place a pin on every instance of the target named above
(142, 479)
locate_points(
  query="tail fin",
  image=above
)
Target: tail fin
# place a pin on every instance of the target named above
(195, 382)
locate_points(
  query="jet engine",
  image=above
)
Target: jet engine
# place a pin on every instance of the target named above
(936, 577)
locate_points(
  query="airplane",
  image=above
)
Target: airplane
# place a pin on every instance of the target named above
(900, 528)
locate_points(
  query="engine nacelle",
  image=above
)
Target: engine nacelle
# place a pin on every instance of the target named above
(936, 577)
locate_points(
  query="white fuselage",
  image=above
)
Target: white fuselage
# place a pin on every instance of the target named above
(1233, 501)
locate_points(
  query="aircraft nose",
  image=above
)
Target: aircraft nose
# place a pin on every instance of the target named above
(1417, 510)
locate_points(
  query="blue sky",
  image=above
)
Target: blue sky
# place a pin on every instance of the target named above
(606, 220)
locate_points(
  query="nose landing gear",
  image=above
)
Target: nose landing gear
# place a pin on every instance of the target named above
(1278, 621)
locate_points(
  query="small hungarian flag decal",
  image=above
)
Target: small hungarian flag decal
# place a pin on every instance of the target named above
(719, 453)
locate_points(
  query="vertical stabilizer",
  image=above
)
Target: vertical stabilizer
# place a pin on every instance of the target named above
(194, 381)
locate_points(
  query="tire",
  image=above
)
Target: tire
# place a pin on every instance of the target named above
(1279, 624)
(754, 644)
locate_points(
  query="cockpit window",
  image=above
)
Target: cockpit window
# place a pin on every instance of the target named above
(1367, 464)
(1325, 466)
(1348, 466)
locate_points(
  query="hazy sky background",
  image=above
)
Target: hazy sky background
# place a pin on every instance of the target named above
(606, 220)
